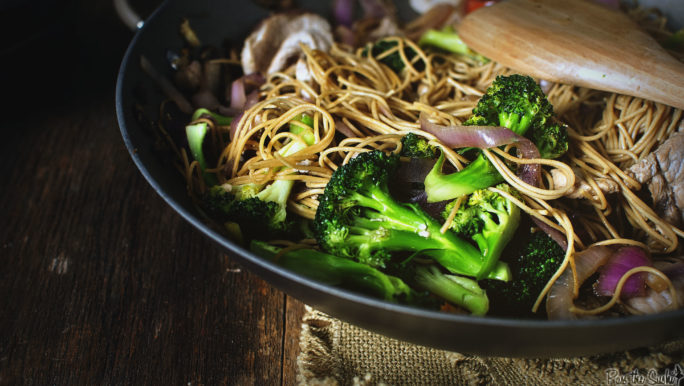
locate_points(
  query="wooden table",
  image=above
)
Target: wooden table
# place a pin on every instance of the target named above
(100, 281)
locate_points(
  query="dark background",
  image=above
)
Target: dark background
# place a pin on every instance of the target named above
(100, 281)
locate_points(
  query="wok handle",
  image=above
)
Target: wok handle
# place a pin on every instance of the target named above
(128, 16)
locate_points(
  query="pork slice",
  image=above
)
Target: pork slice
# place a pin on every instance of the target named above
(663, 172)
(276, 42)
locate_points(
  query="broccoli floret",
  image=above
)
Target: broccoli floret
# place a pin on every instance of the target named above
(339, 271)
(258, 209)
(357, 218)
(386, 52)
(515, 102)
(254, 216)
(458, 290)
(551, 139)
(415, 146)
(489, 219)
(448, 40)
(533, 266)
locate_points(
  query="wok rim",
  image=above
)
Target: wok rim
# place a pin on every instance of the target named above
(246, 257)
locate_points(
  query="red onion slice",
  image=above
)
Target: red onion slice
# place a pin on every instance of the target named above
(237, 94)
(560, 296)
(553, 233)
(234, 125)
(485, 137)
(239, 98)
(343, 11)
(344, 129)
(622, 261)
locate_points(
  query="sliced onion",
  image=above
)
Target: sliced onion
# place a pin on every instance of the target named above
(622, 261)
(375, 9)
(240, 87)
(344, 129)
(560, 296)
(485, 137)
(553, 233)
(228, 111)
(343, 11)
(252, 99)
(659, 300)
(345, 35)
(234, 125)
(237, 94)
(457, 136)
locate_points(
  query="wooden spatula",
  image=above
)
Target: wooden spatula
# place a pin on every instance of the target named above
(576, 42)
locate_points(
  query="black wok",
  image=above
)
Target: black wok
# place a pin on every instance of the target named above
(215, 20)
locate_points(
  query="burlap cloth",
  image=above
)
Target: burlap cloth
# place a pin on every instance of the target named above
(337, 353)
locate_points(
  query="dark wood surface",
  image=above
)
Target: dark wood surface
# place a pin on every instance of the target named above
(100, 281)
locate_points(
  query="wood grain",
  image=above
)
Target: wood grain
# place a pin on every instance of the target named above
(576, 42)
(100, 281)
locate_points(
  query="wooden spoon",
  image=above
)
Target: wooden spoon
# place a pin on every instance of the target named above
(576, 42)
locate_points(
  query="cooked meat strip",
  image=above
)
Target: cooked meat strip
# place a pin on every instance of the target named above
(275, 43)
(663, 172)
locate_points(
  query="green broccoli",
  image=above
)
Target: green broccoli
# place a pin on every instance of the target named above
(489, 219)
(415, 146)
(195, 134)
(345, 273)
(358, 218)
(394, 61)
(302, 126)
(250, 217)
(339, 272)
(216, 117)
(458, 290)
(517, 103)
(531, 268)
(447, 39)
(551, 139)
(255, 207)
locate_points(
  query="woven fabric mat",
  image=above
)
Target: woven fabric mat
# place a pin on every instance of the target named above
(337, 353)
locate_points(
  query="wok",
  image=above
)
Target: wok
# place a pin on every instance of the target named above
(216, 20)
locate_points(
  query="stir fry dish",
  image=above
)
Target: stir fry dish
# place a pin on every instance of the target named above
(392, 160)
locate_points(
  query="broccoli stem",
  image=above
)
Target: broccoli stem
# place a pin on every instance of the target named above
(458, 290)
(220, 119)
(338, 271)
(518, 124)
(195, 135)
(448, 40)
(502, 236)
(304, 131)
(397, 227)
(478, 174)
(279, 190)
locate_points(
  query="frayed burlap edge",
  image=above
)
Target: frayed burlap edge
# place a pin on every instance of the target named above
(336, 353)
